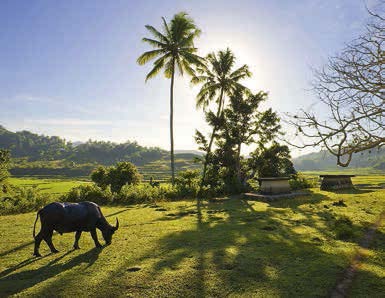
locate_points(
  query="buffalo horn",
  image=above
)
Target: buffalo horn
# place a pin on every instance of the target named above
(117, 224)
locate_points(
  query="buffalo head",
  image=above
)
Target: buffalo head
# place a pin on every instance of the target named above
(108, 231)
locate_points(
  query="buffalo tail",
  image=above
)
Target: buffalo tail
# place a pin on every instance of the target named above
(34, 226)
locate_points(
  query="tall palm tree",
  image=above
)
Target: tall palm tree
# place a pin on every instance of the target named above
(174, 48)
(218, 80)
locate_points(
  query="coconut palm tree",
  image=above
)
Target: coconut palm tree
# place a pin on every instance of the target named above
(174, 48)
(218, 80)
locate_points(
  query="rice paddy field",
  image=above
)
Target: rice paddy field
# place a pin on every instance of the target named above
(52, 186)
(220, 247)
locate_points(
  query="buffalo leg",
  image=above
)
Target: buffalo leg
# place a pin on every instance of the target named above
(77, 237)
(48, 240)
(95, 237)
(38, 239)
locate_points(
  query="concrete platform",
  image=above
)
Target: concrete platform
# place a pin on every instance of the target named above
(274, 185)
(259, 196)
(336, 182)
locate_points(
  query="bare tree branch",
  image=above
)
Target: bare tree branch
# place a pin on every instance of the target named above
(352, 87)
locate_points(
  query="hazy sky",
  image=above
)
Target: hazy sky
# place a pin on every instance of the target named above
(68, 68)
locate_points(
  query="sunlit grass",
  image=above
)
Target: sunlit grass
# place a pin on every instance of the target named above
(229, 247)
(52, 186)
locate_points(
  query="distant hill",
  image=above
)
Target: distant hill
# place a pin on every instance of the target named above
(194, 152)
(47, 148)
(35, 154)
(323, 160)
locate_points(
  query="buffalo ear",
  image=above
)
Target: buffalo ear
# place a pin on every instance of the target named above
(117, 224)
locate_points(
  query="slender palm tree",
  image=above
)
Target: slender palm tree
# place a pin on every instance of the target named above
(174, 48)
(218, 80)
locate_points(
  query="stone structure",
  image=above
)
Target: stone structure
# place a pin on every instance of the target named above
(274, 185)
(335, 182)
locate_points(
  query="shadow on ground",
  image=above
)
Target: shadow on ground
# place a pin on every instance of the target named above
(281, 248)
(13, 283)
(237, 249)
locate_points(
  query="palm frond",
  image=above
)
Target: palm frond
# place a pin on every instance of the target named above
(187, 67)
(188, 39)
(166, 28)
(207, 93)
(169, 68)
(158, 65)
(157, 34)
(193, 59)
(181, 26)
(196, 79)
(154, 43)
(179, 64)
(147, 56)
(241, 73)
(237, 86)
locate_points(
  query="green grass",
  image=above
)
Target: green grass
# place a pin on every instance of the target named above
(223, 247)
(52, 186)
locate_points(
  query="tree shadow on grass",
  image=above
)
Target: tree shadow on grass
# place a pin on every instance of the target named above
(16, 282)
(234, 248)
(353, 191)
(120, 211)
(294, 203)
(246, 250)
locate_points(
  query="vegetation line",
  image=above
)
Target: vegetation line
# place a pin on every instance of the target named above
(344, 284)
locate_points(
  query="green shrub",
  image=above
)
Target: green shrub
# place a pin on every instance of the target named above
(5, 158)
(89, 192)
(301, 182)
(22, 199)
(187, 183)
(145, 193)
(123, 173)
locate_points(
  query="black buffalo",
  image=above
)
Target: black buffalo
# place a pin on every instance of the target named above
(72, 217)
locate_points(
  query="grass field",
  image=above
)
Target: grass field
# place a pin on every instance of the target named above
(52, 186)
(223, 247)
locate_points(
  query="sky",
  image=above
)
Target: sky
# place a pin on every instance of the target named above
(68, 68)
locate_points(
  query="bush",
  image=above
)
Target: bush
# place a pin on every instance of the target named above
(4, 165)
(116, 176)
(301, 182)
(145, 193)
(22, 199)
(187, 183)
(91, 193)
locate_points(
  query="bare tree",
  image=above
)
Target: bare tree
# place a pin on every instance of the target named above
(352, 87)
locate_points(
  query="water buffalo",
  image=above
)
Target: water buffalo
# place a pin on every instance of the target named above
(72, 217)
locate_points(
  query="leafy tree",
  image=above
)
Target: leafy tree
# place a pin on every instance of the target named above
(100, 176)
(242, 122)
(272, 161)
(4, 165)
(246, 123)
(116, 176)
(174, 48)
(218, 79)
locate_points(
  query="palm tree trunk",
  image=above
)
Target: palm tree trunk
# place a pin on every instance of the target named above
(211, 143)
(172, 124)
